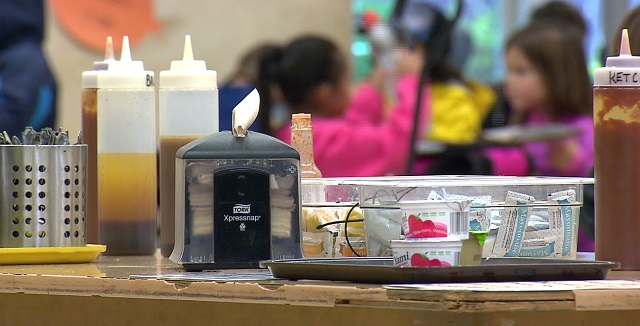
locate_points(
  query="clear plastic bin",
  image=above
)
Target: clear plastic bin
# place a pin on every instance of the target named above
(538, 215)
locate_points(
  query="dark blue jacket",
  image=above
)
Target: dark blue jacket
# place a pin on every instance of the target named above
(27, 86)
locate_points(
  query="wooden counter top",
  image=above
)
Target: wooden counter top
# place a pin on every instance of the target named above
(103, 293)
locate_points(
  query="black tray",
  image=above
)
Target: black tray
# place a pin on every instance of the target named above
(382, 270)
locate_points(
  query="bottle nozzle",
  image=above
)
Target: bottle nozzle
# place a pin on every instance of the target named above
(126, 51)
(188, 73)
(125, 63)
(109, 56)
(187, 62)
(108, 50)
(188, 50)
(625, 58)
(624, 43)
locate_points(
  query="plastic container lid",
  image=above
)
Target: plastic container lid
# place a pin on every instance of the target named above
(188, 73)
(623, 70)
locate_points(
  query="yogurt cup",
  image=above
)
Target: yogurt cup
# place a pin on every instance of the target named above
(426, 252)
(436, 219)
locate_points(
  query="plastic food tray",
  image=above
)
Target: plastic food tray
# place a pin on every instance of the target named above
(50, 255)
(382, 270)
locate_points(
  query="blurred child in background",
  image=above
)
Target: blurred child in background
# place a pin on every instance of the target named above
(240, 84)
(457, 106)
(547, 81)
(558, 13)
(310, 75)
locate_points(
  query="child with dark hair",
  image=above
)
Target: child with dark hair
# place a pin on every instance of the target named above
(310, 75)
(547, 81)
(559, 13)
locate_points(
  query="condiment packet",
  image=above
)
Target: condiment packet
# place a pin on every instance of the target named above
(512, 225)
(315, 245)
(542, 244)
(538, 220)
(355, 247)
(357, 244)
(562, 217)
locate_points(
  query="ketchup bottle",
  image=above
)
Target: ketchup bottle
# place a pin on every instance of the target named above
(616, 106)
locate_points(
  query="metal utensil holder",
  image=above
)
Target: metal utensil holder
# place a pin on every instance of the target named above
(43, 195)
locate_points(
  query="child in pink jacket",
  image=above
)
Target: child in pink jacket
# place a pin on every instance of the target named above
(309, 75)
(547, 82)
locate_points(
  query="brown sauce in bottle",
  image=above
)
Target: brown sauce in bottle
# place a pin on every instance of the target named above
(617, 175)
(90, 134)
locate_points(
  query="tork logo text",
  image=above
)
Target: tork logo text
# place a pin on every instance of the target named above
(242, 209)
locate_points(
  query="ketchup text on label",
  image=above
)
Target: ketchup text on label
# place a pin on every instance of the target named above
(623, 77)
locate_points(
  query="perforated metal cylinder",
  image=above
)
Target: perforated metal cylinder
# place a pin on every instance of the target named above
(43, 195)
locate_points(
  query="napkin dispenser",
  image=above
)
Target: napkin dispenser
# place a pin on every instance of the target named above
(237, 200)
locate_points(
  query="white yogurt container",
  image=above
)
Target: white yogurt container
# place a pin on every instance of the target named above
(436, 219)
(426, 252)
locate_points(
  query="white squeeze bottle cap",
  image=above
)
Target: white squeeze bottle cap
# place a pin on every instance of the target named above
(90, 77)
(623, 70)
(188, 73)
(126, 73)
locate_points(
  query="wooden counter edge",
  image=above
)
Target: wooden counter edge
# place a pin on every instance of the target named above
(607, 299)
(242, 292)
(302, 294)
(327, 295)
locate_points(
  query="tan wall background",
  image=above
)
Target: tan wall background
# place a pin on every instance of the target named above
(221, 30)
